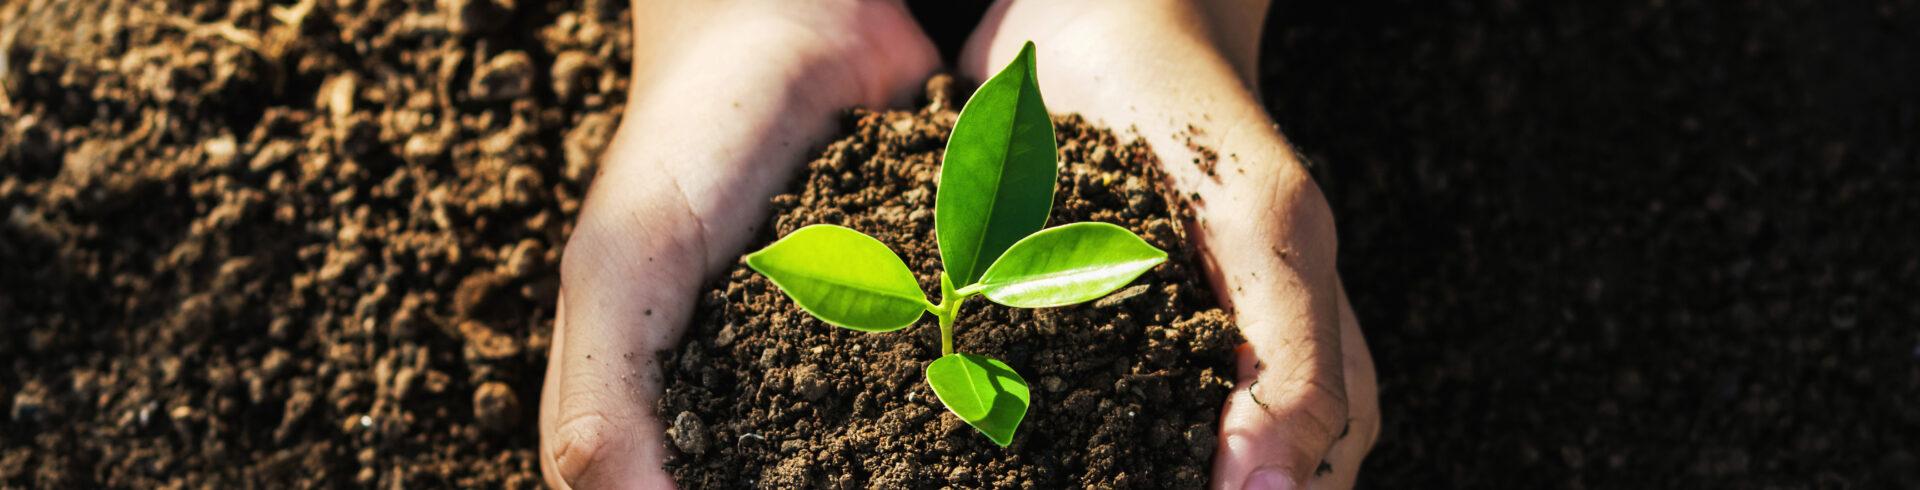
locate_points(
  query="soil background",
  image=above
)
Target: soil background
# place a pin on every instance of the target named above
(1601, 245)
(289, 244)
(1666, 244)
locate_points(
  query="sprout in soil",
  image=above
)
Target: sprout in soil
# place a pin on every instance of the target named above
(996, 189)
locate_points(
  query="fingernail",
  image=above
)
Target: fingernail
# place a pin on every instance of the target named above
(1270, 478)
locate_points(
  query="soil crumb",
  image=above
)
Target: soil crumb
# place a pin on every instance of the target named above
(1204, 157)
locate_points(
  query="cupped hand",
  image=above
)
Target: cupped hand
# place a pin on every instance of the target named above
(725, 100)
(1304, 412)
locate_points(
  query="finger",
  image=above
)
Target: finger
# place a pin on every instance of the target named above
(1289, 405)
(908, 55)
(1363, 405)
(1291, 402)
(630, 280)
(1276, 430)
(550, 393)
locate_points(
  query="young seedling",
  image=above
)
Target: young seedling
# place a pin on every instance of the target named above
(996, 189)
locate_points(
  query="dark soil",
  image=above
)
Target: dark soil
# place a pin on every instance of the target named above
(288, 244)
(1602, 245)
(1666, 244)
(1127, 390)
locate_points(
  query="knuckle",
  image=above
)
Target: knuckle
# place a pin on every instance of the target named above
(1316, 408)
(1299, 212)
(577, 450)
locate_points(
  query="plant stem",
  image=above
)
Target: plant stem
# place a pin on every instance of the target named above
(948, 308)
(946, 332)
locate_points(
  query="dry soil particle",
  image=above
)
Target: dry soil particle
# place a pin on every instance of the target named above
(1205, 158)
(1127, 390)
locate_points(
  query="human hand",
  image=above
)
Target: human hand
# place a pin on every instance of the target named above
(1305, 410)
(725, 101)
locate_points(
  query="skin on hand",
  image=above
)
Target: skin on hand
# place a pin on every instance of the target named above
(725, 101)
(1306, 393)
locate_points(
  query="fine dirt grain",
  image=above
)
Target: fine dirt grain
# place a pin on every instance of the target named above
(1126, 390)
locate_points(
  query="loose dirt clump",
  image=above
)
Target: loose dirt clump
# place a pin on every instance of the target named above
(1127, 390)
(298, 244)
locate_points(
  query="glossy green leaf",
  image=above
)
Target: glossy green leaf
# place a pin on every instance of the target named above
(844, 277)
(983, 392)
(996, 181)
(1067, 264)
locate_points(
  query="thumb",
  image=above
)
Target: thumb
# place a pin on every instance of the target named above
(628, 289)
(1289, 403)
(1277, 428)
(1274, 266)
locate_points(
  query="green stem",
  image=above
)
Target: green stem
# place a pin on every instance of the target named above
(946, 332)
(948, 308)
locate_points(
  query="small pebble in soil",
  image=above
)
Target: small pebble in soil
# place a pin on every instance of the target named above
(960, 474)
(941, 92)
(1053, 384)
(496, 406)
(808, 385)
(688, 433)
(220, 151)
(28, 406)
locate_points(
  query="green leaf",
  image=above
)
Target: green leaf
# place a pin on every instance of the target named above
(844, 277)
(1067, 264)
(983, 392)
(996, 181)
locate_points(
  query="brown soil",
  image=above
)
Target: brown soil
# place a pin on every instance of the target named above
(1594, 245)
(1127, 390)
(288, 243)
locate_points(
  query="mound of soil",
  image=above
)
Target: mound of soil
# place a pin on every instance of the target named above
(1127, 389)
(301, 244)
